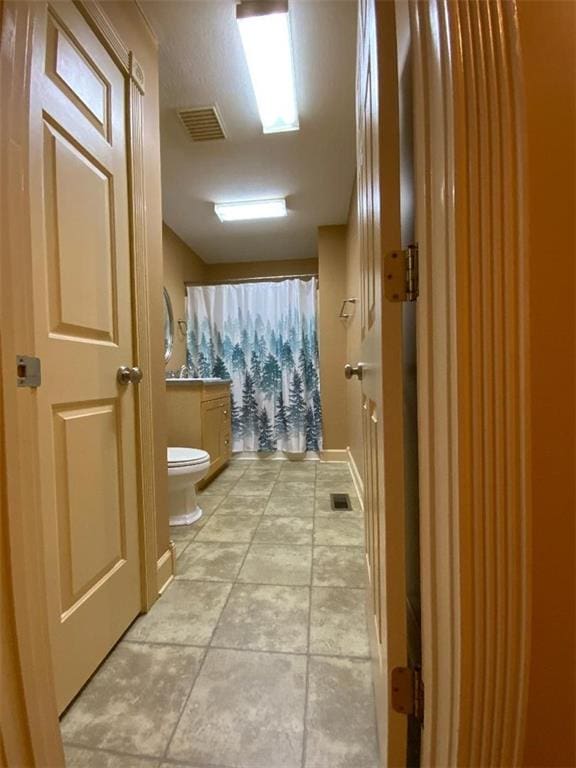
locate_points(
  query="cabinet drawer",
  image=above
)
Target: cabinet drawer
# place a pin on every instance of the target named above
(221, 403)
(215, 392)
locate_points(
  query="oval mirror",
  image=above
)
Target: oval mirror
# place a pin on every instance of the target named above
(168, 327)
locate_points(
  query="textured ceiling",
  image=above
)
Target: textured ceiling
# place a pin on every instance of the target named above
(202, 63)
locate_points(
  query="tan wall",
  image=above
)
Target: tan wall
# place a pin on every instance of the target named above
(332, 333)
(135, 32)
(547, 31)
(353, 338)
(181, 264)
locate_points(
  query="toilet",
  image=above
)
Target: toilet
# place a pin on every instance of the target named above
(186, 467)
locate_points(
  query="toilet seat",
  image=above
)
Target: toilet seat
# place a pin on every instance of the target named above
(186, 457)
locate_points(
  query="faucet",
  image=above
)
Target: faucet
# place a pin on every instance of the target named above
(184, 372)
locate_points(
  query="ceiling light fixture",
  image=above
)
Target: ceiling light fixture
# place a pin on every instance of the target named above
(251, 209)
(265, 31)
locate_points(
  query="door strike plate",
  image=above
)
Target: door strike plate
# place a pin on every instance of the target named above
(28, 371)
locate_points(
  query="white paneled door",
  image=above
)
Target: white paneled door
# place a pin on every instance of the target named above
(84, 334)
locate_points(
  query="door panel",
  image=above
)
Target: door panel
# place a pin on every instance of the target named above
(83, 295)
(382, 358)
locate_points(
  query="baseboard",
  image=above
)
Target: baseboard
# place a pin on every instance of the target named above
(334, 454)
(357, 479)
(166, 568)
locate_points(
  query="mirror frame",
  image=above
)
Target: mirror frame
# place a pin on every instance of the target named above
(168, 342)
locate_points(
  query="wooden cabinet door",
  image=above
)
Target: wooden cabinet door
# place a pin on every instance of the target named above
(213, 432)
(83, 298)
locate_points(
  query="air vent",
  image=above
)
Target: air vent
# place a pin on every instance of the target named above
(202, 123)
(340, 501)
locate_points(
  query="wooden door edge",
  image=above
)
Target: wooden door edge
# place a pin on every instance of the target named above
(474, 526)
(29, 726)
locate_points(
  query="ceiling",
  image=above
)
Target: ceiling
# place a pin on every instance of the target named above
(202, 63)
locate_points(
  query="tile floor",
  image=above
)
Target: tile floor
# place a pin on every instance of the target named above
(256, 656)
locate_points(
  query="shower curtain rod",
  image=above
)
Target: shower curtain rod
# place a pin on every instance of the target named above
(272, 279)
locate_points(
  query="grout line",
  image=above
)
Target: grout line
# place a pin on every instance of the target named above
(152, 758)
(269, 583)
(201, 666)
(307, 683)
(316, 654)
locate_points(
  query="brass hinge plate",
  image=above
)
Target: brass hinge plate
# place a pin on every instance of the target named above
(407, 694)
(401, 274)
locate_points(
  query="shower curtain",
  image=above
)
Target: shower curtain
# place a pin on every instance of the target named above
(262, 336)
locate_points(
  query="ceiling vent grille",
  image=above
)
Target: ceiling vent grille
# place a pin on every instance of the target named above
(202, 123)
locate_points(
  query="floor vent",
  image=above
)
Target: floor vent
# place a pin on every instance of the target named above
(340, 501)
(202, 123)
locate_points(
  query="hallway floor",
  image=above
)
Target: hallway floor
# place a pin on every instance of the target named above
(256, 656)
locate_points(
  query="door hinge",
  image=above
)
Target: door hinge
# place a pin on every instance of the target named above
(407, 695)
(28, 371)
(401, 274)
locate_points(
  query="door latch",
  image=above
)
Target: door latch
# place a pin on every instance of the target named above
(28, 371)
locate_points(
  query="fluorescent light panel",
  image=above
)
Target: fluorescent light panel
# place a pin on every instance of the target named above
(251, 209)
(268, 50)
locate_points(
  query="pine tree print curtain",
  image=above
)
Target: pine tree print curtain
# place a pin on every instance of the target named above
(262, 336)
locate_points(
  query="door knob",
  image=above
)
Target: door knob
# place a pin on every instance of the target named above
(350, 370)
(128, 375)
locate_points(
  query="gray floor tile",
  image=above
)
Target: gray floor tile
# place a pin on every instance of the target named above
(338, 622)
(246, 711)
(181, 546)
(338, 567)
(334, 469)
(272, 467)
(211, 561)
(341, 727)
(79, 757)
(185, 613)
(276, 564)
(253, 487)
(290, 506)
(328, 485)
(337, 531)
(183, 532)
(265, 618)
(229, 528)
(220, 486)
(242, 505)
(234, 469)
(133, 702)
(267, 475)
(296, 470)
(296, 488)
(284, 530)
(209, 503)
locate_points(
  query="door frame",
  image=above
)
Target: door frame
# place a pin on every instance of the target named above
(30, 732)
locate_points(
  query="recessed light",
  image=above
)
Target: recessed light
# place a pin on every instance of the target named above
(251, 209)
(268, 50)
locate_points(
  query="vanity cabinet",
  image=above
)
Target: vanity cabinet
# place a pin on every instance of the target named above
(198, 416)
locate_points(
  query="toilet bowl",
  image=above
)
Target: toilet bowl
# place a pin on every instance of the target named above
(186, 467)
